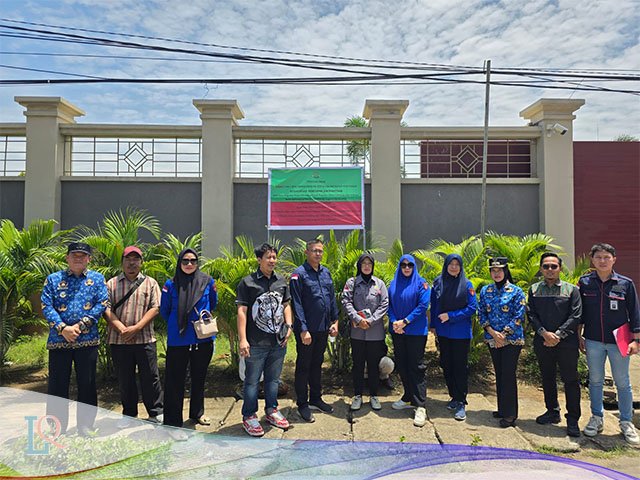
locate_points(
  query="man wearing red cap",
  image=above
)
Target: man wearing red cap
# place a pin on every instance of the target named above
(134, 301)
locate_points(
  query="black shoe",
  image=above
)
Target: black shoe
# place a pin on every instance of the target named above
(321, 405)
(573, 430)
(387, 383)
(550, 416)
(306, 414)
(507, 422)
(496, 414)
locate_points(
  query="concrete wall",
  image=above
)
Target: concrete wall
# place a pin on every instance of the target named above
(452, 211)
(607, 200)
(250, 214)
(176, 204)
(12, 200)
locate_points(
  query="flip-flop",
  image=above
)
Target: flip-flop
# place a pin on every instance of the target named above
(203, 420)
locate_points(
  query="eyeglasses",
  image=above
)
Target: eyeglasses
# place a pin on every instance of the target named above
(317, 252)
(552, 266)
(187, 261)
(406, 265)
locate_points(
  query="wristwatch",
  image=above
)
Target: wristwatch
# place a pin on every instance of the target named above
(405, 321)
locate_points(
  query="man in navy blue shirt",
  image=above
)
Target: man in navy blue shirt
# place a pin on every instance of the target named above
(609, 303)
(315, 318)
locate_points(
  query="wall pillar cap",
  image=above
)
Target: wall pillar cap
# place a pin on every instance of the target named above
(551, 109)
(219, 109)
(57, 107)
(388, 109)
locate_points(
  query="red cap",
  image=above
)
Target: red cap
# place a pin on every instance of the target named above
(132, 249)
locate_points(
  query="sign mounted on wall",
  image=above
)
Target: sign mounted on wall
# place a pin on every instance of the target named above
(316, 198)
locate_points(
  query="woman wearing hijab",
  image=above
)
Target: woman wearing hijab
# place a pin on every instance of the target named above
(365, 300)
(453, 303)
(502, 309)
(409, 296)
(183, 298)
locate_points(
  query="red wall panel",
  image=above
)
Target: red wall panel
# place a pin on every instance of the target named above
(607, 200)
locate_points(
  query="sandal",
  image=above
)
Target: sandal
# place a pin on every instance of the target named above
(203, 420)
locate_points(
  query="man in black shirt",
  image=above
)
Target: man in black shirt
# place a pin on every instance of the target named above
(554, 308)
(264, 326)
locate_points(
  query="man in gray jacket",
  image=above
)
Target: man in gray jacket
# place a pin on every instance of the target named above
(365, 301)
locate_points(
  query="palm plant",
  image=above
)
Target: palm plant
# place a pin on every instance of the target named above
(357, 150)
(27, 256)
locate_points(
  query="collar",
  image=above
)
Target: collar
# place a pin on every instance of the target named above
(260, 275)
(309, 268)
(557, 284)
(122, 277)
(71, 274)
(359, 279)
(614, 276)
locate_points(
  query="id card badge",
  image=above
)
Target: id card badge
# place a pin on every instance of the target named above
(613, 304)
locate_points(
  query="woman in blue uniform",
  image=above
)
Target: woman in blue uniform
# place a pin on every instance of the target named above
(502, 310)
(183, 298)
(453, 304)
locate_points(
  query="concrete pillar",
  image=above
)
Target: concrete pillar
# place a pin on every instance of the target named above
(384, 119)
(218, 118)
(554, 160)
(45, 155)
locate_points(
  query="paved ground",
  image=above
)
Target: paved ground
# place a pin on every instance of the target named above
(480, 428)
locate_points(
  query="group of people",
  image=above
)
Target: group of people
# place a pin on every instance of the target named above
(270, 309)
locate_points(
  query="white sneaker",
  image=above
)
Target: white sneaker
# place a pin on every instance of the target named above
(594, 427)
(157, 419)
(629, 432)
(400, 405)
(375, 403)
(420, 417)
(356, 403)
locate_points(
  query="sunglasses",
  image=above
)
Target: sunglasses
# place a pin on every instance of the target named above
(187, 261)
(406, 265)
(552, 266)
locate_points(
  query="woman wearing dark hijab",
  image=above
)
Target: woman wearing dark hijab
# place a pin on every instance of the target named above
(453, 304)
(409, 296)
(365, 300)
(183, 298)
(501, 310)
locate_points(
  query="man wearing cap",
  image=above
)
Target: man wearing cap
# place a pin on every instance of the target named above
(134, 302)
(72, 302)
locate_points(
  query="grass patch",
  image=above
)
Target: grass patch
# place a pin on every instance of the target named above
(29, 351)
(614, 452)
(549, 450)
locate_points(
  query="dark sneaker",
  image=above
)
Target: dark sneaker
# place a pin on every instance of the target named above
(452, 405)
(507, 422)
(496, 414)
(321, 405)
(550, 416)
(573, 430)
(305, 414)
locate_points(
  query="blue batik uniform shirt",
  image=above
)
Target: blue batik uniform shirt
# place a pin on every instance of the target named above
(503, 309)
(68, 299)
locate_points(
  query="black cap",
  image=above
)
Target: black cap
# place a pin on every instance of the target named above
(79, 247)
(499, 262)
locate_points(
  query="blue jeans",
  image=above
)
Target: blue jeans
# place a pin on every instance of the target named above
(267, 360)
(597, 352)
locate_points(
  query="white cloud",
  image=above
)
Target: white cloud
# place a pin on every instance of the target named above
(591, 34)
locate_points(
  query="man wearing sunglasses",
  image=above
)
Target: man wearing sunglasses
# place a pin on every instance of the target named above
(554, 309)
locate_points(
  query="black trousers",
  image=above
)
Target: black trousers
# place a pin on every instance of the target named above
(144, 357)
(369, 352)
(505, 362)
(308, 376)
(409, 354)
(454, 360)
(566, 359)
(198, 357)
(84, 360)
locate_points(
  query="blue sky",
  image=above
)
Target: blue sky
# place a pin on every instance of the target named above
(588, 34)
